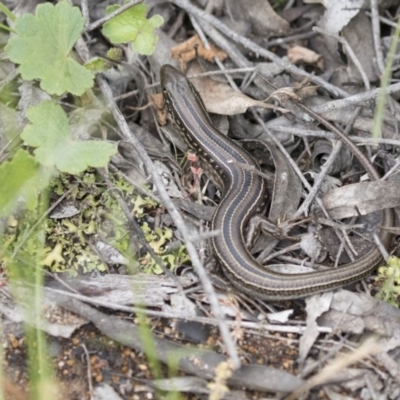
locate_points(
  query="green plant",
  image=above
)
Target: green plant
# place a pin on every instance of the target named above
(37, 36)
(50, 134)
(132, 26)
(53, 155)
(42, 46)
(389, 277)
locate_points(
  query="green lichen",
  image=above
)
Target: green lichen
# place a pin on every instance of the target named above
(389, 276)
(66, 244)
(158, 239)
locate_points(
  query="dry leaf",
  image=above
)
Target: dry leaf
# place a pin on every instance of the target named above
(284, 94)
(158, 101)
(300, 54)
(299, 92)
(265, 21)
(192, 48)
(362, 198)
(220, 98)
(306, 92)
(315, 307)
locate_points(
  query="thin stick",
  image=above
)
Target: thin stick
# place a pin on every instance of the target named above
(89, 370)
(376, 33)
(356, 99)
(339, 364)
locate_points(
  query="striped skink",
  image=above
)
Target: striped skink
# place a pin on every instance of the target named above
(244, 195)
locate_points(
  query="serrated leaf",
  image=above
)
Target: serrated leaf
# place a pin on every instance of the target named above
(132, 26)
(50, 133)
(42, 47)
(20, 181)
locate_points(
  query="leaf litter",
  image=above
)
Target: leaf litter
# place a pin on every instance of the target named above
(299, 345)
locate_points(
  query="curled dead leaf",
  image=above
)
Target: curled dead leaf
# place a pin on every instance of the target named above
(306, 92)
(298, 93)
(158, 102)
(300, 54)
(192, 48)
(284, 94)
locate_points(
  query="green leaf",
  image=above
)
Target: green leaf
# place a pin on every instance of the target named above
(50, 133)
(98, 64)
(132, 26)
(42, 47)
(20, 180)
